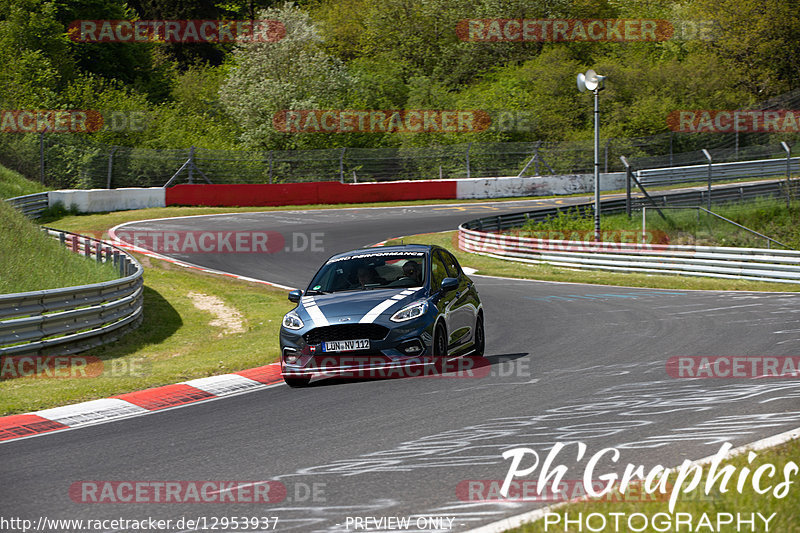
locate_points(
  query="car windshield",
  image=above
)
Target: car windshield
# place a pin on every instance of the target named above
(370, 270)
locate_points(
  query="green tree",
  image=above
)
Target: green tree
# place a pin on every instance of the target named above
(758, 39)
(293, 73)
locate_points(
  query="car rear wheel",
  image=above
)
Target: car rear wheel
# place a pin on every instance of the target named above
(479, 339)
(297, 381)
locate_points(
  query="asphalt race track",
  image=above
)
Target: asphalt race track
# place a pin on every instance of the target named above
(569, 363)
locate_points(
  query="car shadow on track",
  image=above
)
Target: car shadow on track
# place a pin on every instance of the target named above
(465, 367)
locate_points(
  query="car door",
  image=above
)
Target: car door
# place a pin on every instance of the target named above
(445, 300)
(463, 310)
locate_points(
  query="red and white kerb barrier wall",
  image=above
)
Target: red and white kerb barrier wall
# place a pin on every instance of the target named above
(328, 192)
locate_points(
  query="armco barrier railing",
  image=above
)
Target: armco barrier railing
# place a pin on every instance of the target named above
(720, 194)
(74, 319)
(738, 263)
(761, 168)
(31, 205)
(481, 236)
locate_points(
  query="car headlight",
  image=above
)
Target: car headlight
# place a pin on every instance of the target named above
(292, 321)
(410, 312)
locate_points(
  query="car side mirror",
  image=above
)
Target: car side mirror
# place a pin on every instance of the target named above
(295, 295)
(449, 284)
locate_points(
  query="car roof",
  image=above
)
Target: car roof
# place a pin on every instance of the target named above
(399, 248)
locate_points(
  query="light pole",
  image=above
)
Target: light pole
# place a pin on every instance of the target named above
(592, 81)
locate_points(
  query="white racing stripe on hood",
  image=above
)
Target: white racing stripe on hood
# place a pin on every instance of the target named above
(386, 304)
(314, 311)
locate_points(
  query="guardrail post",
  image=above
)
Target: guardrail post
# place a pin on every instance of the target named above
(87, 247)
(62, 238)
(98, 252)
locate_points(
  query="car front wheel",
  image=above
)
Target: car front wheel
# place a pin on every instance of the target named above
(440, 342)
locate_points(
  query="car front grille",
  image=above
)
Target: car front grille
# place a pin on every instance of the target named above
(343, 332)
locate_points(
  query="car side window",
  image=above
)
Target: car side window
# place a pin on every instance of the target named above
(450, 262)
(438, 271)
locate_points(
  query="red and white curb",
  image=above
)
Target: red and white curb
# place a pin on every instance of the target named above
(138, 403)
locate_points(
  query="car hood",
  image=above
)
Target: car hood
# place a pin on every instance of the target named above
(358, 306)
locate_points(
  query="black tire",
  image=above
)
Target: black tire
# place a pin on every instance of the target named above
(297, 382)
(480, 337)
(440, 342)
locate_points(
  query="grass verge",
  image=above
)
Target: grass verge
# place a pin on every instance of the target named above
(490, 266)
(15, 184)
(31, 260)
(695, 503)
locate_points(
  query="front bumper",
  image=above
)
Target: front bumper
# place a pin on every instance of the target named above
(405, 346)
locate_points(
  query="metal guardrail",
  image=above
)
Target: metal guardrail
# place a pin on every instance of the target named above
(721, 194)
(74, 319)
(31, 205)
(756, 264)
(761, 168)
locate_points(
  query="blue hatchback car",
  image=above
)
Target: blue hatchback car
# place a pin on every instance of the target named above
(379, 308)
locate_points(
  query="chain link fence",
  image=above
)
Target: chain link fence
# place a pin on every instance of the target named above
(78, 162)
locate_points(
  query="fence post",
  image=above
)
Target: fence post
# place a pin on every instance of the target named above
(670, 148)
(191, 164)
(788, 171)
(469, 145)
(41, 157)
(110, 166)
(608, 141)
(341, 164)
(708, 156)
(270, 166)
(627, 185)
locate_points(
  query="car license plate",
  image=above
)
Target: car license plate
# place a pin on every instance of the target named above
(346, 346)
